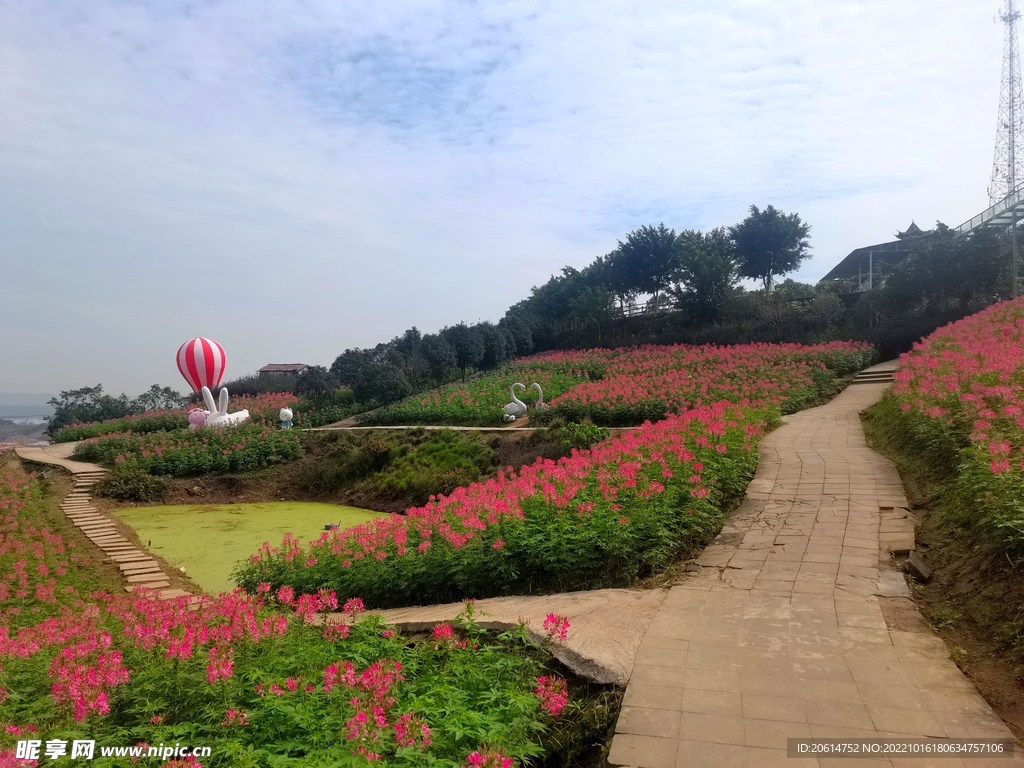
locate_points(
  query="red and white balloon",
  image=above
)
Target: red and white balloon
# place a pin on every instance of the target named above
(202, 362)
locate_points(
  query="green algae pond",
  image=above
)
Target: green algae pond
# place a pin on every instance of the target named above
(209, 539)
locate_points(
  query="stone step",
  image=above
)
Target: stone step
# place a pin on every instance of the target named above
(145, 578)
(171, 594)
(150, 570)
(139, 564)
(129, 557)
(153, 586)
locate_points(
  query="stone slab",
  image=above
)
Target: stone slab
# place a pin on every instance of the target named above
(143, 578)
(152, 586)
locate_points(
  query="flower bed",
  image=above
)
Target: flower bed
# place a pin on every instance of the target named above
(960, 395)
(624, 387)
(255, 678)
(601, 517)
(194, 452)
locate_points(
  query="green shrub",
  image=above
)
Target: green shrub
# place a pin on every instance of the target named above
(132, 484)
(443, 463)
(185, 453)
(161, 422)
(581, 436)
(344, 464)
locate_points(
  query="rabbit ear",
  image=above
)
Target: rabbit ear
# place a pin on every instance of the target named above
(208, 399)
(223, 400)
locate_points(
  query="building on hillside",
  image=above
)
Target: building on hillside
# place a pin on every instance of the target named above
(858, 272)
(282, 369)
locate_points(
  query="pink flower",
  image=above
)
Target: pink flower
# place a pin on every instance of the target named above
(353, 606)
(553, 694)
(556, 626)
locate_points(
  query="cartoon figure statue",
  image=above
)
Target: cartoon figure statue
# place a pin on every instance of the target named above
(219, 416)
(286, 418)
(517, 407)
(196, 418)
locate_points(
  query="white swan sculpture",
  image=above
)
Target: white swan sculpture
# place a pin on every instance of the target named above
(517, 407)
(540, 405)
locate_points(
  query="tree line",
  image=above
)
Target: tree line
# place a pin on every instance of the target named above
(692, 279)
(690, 269)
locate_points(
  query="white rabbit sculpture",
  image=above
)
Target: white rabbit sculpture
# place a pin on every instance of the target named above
(219, 417)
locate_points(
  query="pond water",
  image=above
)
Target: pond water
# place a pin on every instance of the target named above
(209, 539)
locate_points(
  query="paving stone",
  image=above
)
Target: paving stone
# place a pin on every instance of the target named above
(172, 594)
(917, 567)
(789, 639)
(144, 578)
(138, 564)
(150, 586)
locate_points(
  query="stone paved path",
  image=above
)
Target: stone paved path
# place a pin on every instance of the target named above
(606, 624)
(778, 631)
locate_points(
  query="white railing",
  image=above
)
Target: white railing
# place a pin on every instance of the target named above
(991, 212)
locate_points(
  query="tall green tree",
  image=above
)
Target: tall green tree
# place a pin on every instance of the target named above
(158, 398)
(593, 305)
(468, 344)
(708, 271)
(317, 384)
(646, 259)
(770, 243)
(76, 406)
(944, 271)
(440, 356)
(499, 346)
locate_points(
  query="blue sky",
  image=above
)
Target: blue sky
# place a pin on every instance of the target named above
(295, 178)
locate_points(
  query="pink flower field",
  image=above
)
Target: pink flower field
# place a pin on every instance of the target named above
(621, 387)
(961, 395)
(256, 678)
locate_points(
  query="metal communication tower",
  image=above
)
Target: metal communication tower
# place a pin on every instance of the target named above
(1008, 163)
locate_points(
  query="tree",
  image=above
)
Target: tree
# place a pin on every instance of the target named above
(382, 383)
(611, 273)
(158, 398)
(440, 356)
(88, 404)
(646, 261)
(349, 366)
(594, 305)
(708, 271)
(520, 330)
(468, 344)
(316, 384)
(944, 272)
(499, 346)
(770, 243)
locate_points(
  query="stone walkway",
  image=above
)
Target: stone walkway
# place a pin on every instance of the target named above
(778, 631)
(606, 625)
(139, 568)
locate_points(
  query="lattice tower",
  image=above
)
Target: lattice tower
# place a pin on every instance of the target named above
(1008, 164)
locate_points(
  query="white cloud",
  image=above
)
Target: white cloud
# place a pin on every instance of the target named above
(296, 179)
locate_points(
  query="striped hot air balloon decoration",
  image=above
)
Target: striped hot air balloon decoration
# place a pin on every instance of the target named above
(202, 362)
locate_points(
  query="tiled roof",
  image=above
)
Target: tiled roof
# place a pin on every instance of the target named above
(283, 368)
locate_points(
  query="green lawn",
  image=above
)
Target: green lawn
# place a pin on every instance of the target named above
(208, 539)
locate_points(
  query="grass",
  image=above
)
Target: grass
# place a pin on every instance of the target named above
(208, 540)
